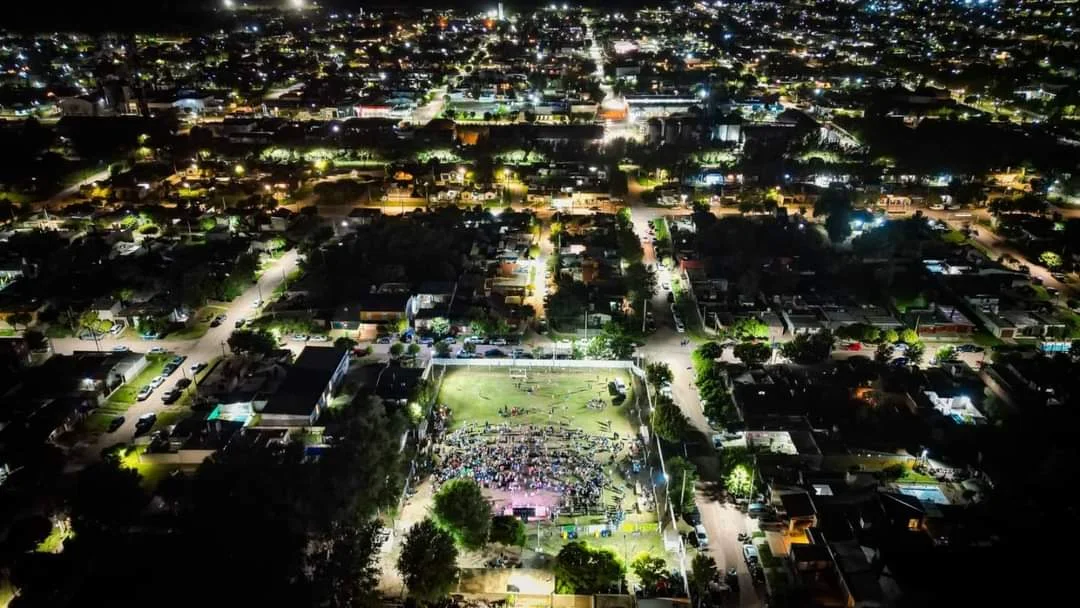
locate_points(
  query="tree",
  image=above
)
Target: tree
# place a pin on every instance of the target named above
(884, 352)
(890, 336)
(252, 342)
(428, 561)
(681, 478)
(915, 352)
(396, 349)
(707, 353)
(703, 571)
(440, 326)
(753, 353)
(345, 343)
(35, 340)
(749, 328)
(106, 496)
(507, 530)
(469, 347)
(909, 336)
(442, 349)
(835, 204)
(20, 318)
(946, 354)
(649, 570)
(583, 569)
(807, 349)
(346, 574)
(1050, 259)
(668, 421)
(461, 509)
(658, 373)
(413, 350)
(739, 481)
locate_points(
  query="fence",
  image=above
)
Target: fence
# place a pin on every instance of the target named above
(549, 363)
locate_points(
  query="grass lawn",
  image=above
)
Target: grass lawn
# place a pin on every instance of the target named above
(477, 395)
(911, 476)
(626, 545)
(127, 394)
(767, 558)
(151, 473)
(985, 339)
(54, 542)
(170, 415)
(199, 328)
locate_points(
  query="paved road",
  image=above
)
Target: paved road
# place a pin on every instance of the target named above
(723, 523)
(203, 350)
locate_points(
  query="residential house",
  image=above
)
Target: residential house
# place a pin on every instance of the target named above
(309, 385)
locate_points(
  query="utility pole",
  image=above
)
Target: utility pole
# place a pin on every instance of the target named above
(644, 311)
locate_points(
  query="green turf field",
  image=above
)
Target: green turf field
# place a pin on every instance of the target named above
(477, 395)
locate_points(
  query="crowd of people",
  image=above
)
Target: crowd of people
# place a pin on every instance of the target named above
(532, 458)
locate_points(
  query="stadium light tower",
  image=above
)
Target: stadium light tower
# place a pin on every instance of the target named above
(228, 4)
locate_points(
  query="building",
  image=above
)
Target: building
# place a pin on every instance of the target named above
(308, 387)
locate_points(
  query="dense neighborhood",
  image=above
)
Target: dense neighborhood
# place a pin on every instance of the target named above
(714, 304)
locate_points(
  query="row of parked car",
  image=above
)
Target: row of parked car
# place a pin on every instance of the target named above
(170, 367)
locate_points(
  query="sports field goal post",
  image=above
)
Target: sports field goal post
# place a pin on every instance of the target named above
(519, 373)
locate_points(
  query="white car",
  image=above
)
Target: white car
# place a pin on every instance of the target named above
(937, 207)
(702, 536)
(319, 338)
(679, 327)
(299, 338)
(157, 350)
(665, 286)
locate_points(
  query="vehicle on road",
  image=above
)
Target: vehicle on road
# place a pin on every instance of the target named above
(853, 346)
(970, 348)
(319, 338)
(299, 337)
(144, 393)
(427, 341)
(115, 423)
(171, 397)
(240, 323)
(670, 297)
(937, 207)
(218, 320)
(679, 327)
(257, 303)
(197, 367)
(750, 554)
(383, 340)
(120, 349)
(157, 381)
(498, 342)
(665, 286)
(182, 383)
(494, 354)
(157, 350)
(701, 535)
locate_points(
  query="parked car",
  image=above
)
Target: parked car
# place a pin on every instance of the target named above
(218, 320)
(692, 517)
(157, 350)
(178, 360)
(900, 362)
(120, 349)
(427, 341)
(115, 423)
(299, 337)
(169, 369)
(182, 383)
(240, 323)
(679, 327)
(853, 346)
(157, 381)
(702, 536)
(750, 554)
(197, 367)
(319, 338)
(498, 342)
(383, 340)
(970, 348)
(146, 421)
(144, 392)
(171, 397)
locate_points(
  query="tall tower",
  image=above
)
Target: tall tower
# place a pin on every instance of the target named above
(500, 12)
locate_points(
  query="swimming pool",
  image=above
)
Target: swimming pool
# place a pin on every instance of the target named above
(925, 492)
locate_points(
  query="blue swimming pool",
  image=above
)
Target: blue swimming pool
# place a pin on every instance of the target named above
(925, 492)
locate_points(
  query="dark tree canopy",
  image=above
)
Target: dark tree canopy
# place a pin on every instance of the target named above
(428, 561)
